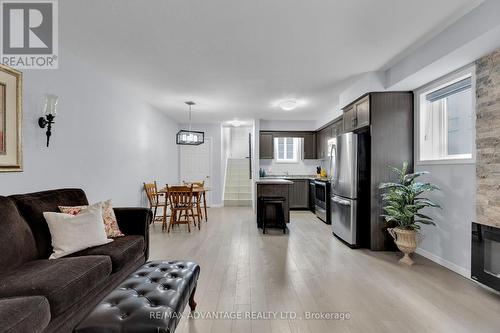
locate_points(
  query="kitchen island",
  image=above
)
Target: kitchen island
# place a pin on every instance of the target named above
(273, 187)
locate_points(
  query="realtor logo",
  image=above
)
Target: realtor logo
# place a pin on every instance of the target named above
(29, 34)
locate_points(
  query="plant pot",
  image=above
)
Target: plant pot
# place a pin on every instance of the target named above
(406, 240)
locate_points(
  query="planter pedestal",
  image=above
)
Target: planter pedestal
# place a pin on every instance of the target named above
(406, 240)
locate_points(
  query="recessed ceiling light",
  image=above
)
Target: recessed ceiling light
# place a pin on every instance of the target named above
(290, 104)
(235, 123)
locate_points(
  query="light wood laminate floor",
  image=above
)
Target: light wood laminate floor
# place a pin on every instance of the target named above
(308, 270)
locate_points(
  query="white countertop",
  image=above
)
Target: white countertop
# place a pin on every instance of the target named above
(273, 181)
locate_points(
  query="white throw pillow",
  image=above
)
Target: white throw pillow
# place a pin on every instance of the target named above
(72, 233)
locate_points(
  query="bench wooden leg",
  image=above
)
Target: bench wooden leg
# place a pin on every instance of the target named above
(192, 303)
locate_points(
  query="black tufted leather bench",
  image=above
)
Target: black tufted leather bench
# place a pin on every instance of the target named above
(151, 299)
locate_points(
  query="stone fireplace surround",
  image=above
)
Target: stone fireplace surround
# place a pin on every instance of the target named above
(488, 139)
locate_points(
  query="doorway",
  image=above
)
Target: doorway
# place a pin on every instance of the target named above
(196, 164)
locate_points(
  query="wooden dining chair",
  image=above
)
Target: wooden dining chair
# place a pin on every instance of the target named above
(182, 206)
(202, 206)
(156, 200)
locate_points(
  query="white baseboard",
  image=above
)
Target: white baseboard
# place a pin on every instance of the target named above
(216, 206)
(443, 262)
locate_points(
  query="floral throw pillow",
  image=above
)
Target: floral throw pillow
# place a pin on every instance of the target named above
(108, 216)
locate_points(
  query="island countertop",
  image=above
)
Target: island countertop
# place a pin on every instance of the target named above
(273, 181)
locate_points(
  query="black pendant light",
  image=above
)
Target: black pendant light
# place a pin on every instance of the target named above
(188, 137)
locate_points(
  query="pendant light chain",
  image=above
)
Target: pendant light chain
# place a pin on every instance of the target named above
(190, 117)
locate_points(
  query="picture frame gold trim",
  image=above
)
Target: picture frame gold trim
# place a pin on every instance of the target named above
(18, 165)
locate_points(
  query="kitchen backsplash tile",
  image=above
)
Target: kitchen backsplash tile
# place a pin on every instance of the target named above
(303, 167)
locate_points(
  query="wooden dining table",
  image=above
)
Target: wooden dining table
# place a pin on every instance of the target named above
(199, 193)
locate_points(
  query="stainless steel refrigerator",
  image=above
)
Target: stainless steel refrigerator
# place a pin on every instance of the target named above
(349, 175)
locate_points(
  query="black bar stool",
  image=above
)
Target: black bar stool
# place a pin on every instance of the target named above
(278, 203)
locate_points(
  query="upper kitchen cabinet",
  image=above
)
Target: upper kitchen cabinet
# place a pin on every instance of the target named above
(349, 118)
(322, 144)
(266, 145)
(357, 115)
(363, 112)
(310, 146)
(266, 142)
(337, 128)
(324, 135)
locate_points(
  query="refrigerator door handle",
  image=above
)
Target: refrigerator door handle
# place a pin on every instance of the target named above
(341, 202)
(333, 154)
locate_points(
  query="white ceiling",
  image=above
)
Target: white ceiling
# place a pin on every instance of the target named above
(236, 58)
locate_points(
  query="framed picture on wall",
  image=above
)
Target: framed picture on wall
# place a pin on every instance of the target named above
(10, 119)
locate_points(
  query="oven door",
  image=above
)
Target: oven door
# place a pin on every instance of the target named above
(486, 255)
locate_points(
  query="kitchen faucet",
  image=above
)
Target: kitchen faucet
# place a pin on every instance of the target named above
(286, 173)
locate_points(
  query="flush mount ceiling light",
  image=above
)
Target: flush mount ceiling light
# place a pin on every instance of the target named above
(290, 104)
(189, 137)
(235, 123)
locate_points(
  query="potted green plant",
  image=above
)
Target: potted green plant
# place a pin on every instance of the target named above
(403, 203)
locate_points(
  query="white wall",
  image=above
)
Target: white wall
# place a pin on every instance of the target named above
(365, 83)
(225, 151)
(104, 140)
(469, 38)
(288, 125)
(449, 243)
(226, 143)
(238, 147)
(255, 160)
(214, 132)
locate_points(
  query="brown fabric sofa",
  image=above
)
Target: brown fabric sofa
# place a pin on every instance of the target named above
(42, 295)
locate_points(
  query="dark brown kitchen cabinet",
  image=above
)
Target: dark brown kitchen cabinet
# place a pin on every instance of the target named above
(387, 118)
(319, 144)
(363, 112)
(309, 146)
(299, 194)
(266, 145)
(337, 128)
(349, 118)
(357, 115)
(326, 134)
(322, 146)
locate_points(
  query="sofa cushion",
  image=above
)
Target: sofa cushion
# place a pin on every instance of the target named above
(73, 233)
(32, 205)
(17, 243)
(24, 314)
(108, 216)
(122, 250)
(63, 281)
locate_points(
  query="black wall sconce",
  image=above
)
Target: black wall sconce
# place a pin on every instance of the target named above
(49, 111)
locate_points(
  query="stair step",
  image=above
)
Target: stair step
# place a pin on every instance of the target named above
(237, 196)
(237, 203)
(238, 188)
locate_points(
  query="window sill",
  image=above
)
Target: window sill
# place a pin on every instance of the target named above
(450, 161)
(285, 162)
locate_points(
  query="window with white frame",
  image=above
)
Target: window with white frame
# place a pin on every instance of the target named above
(445, 118)
(287, 150)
